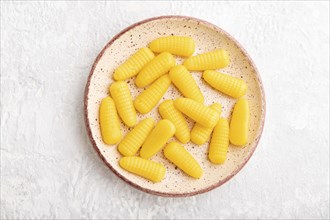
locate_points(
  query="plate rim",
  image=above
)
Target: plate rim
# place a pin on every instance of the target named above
(154, 192)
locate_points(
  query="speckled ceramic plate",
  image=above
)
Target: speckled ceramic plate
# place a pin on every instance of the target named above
(207, 37)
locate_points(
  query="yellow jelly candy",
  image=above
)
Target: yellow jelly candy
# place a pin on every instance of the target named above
(146, 168)
(124, 104)
(177, 45)
(149, 98)
(178, 155)
(198, 112)
(158, 137)
(229, 85)
(239, 124)
(168, 111)
(208, 61)
(200, 134)
(134, 64)
(186, 84)
(134, 139)
(109, 123)
(219, 142)
(157, 67)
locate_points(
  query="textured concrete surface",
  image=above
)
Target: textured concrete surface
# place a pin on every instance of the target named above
(48, 167)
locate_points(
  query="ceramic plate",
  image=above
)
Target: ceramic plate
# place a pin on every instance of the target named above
(207, 37)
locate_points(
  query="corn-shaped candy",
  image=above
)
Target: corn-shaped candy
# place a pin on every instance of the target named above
(178, 155)
(157, 67)
(109, 123)
(177, 45)
(198, 112)
(124, 104)
(200, 134)
(239, 124)
(134, 64)
(208, 61)
(149, 98)
(186, 84)
(168, 111)
(146, 168)
(158, 137)
(229, 85)
(219, 142)
(134, 139)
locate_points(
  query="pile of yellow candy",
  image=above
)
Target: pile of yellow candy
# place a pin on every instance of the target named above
(158, 72)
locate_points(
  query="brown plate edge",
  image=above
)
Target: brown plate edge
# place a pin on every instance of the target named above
(89, 132)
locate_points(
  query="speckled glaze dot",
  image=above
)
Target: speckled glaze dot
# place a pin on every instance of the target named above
(207, 37)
